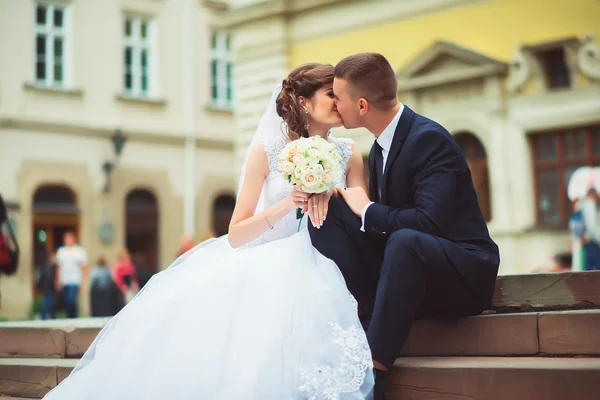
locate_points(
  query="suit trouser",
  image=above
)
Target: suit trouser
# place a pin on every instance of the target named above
(395, 279)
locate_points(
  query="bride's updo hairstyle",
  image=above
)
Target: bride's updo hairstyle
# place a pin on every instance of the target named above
(303, 81)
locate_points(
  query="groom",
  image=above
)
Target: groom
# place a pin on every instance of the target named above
(417, 246)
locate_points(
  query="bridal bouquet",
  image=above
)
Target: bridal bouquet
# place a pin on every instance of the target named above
(312, 163)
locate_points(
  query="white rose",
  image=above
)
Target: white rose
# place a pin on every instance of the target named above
(312, 162)
(310, 180)
(319, 170)
(298, 159)
(287, 151)
(298, 171)
(288, 167)
(302, 144)
(327, 176)
(313, 153)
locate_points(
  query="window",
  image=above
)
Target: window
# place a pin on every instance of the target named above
(556, 155)
(555, 68)
(476, 157)
(51, 44)
(221, 80)
(137, 57)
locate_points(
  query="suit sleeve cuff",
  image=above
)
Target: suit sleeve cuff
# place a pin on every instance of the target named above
(376, 219)
(362, 216)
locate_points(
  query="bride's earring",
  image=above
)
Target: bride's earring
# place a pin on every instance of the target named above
(307, 125)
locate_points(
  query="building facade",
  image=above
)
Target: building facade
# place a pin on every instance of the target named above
(517, 83)
(115, 122)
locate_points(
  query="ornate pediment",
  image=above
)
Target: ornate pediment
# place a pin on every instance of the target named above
(445, 63)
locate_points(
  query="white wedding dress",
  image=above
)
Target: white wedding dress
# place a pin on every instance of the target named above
(267, 321)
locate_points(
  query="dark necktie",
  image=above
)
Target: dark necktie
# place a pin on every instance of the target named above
(379, 168)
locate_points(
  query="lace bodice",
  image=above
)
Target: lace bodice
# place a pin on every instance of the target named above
(276, 188)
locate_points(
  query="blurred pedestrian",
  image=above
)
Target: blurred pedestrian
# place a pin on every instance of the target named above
(71, 271)
(186, 243)
(125, 276)
(141, 268)
(46, 284)
(106, 298)
(577, 232)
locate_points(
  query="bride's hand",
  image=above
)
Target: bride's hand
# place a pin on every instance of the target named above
(299, 197)
(318, 205)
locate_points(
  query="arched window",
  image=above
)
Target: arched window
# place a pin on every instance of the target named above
(222, 211)
(54, 199)
(476, 157)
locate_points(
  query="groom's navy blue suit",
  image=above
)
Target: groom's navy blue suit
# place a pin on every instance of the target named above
(426, 250)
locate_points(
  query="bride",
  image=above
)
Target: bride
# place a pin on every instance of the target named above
(258, 314)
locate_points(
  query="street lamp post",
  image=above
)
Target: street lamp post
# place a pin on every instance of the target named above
(118, 141)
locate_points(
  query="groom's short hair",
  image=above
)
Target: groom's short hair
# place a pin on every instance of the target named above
(372, 77)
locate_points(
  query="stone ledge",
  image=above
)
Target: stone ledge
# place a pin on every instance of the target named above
(525, 334)
(575, 332)
(78, 341)
(482, 335)
(57, 90)
(31, 377)
(554, 291)
(494, 378)
(16, 342)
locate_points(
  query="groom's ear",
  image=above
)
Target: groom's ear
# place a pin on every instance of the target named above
(363, 106)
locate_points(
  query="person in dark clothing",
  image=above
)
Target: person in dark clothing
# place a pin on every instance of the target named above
(46, 283)
(106, 298)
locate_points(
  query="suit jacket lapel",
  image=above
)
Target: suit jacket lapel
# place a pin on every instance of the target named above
(399, 137)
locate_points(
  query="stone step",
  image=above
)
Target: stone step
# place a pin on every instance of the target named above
(32, 377)
(552, 291)
(68, 338)
(432, 378)
(574, 332)
(450, 378)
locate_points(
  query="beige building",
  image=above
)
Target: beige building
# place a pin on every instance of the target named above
(517, 83)
(78, 76)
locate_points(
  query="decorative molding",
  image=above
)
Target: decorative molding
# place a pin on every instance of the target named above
(322, 16)
(219, 110)
(551, 45)
(428, 70)
(519, 71)
(526, 67)
(144, 8)
(70, 92)
(588, 58)
(202, 141)
(268, 9)
(141, 100)
(450, 77)
(453, 50)
(215, 5)
(556, 110)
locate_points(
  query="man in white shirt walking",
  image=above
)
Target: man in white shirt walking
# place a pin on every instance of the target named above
(72, 267)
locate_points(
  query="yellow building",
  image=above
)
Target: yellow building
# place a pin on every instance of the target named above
(516, 82)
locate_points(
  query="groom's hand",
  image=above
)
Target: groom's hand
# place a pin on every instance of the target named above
(356, 198)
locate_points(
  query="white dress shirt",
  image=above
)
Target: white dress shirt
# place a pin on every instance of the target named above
(385, 141)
